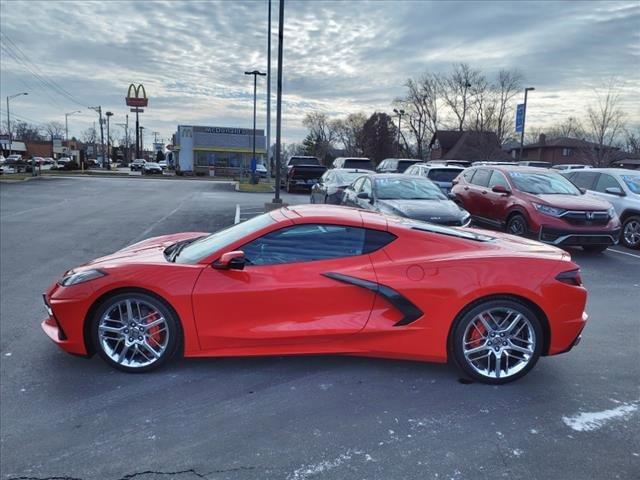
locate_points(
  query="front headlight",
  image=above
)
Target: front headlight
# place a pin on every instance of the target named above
(466, 220)
(80, 277)
(547, 210)
(611, 212)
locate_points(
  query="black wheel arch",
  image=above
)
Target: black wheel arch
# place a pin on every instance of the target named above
(117, 291)
(629, 213)
(540, 314)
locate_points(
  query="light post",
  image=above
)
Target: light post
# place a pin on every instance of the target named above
(126, 139)
(400, 113)
(66, 126)
(255, 74)
(277, 199)
(9, 118)
(109, 115)
(524, 116)
(99, 110)
(270, 166)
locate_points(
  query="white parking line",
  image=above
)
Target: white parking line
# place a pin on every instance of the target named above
(237, 219)
(623, 253)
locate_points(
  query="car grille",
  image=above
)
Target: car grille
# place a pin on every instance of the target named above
(587, 217)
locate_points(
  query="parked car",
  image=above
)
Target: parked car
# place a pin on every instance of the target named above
(530, 201)
(261, 170)
(406, 196)
(61, 163)
(150, 168)
(2, 159)
(570, 166)
(454, 163)
(49, 161)
(14, 157)
(395, 165)
(301, 172)
(360, 163)
(441, 175)
(137, 164)
(324, 280)
(491, 162)
(619, 187)
(535, 163)
(163, 164)
(331, 187)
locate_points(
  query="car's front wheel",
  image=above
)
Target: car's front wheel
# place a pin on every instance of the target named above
(135, 332)
(517, 225)
(497, 341)
(631, 232)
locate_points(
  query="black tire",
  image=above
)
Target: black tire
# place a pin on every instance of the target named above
(174, 332)
(595, 248)
(629, 236)
(517, 225)
(467, 317)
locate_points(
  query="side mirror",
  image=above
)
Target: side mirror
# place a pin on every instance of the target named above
(451, 195)
(501, 189)
(582, 190)
(364, 195)
(230, 261)
(615, 191)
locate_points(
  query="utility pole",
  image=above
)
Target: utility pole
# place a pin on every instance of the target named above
(99, 110)
(400, 113)
(255, 74)
(269, 164)
(140, 136)
(66, 127)
(109, 115)
(277, 198)
(9, 119)
(126, 148)
(524, 116)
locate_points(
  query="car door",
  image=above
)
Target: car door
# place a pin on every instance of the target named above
(495, 204)
(349, 199)
(319, 190)
(365, 187)
(476, 191)
(286, 293)
(603, 182)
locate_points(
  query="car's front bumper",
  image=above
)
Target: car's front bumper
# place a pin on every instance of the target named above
(562, 237)
(64, 323)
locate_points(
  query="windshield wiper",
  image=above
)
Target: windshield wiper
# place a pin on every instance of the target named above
(177, 247)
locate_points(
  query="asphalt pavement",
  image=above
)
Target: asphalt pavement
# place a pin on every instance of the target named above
(291, 418)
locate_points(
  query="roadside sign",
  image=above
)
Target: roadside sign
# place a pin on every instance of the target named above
(519, 118)
(137, 110)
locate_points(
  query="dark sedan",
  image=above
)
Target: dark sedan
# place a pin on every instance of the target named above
(333, 183)
(405, 196)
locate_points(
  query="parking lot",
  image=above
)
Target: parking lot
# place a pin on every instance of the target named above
(330, 417)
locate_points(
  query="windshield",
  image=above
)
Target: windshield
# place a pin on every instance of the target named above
(204, 247)
(355, 163)
(543, 183)
(347, 178)
(633, 182)
(404, 164)
(443, 174)
(304, 161)
(407, 188)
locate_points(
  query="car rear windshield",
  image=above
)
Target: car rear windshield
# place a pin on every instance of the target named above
(205, 246)
(404, 164)
(355, 163)
(403, 187)
(543, 183)
(443, 174)
(347, 178)
(304, 161)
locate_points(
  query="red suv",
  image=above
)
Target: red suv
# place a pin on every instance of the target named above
(542, 203)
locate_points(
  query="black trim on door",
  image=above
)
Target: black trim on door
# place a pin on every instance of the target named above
(409, 310)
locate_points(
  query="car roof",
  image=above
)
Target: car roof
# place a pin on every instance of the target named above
(353, 158)
(515, 168)
(443, 166)
(364, 171)
(336, 214)
(611, 170)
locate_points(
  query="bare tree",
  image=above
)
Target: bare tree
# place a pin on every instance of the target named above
(348, 132)
(605, 122)
(319, 126)
(26, 132)
(507, 86)
(482, 107)
(571, 127)
(54, 129)
(458, 91)
(89, 135)
(632, 141)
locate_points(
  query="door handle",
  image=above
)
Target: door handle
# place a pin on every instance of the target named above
(484, 192)
(466, 188)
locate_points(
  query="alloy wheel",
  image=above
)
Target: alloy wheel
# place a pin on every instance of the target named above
(517, 225)
(133, 333)
(499, 342)
(631, 233)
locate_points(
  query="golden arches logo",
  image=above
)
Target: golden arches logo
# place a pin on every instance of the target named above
(133, 97)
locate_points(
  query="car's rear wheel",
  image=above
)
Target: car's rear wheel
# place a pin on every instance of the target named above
(631, 232)
(135, 332)
(594, 248)
(497, 341)
(517, 225)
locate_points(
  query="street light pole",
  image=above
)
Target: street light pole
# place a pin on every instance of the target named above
(255, 74)
(9, 97)
(66, 126)
(399, 113)
(109, 115)
(524, 116)
(277, 198)
(99, 110)
(269, 92)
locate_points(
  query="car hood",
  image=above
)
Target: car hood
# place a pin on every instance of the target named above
(427, 210)
(146, 251)
(572, 202)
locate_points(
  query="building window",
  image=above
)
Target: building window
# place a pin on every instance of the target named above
(567, 152)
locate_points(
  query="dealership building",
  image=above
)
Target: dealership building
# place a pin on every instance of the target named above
(223, 151)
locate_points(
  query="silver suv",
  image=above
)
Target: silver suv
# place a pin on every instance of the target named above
(621, 188)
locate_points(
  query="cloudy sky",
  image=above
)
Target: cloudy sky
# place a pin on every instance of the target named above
(339, 57)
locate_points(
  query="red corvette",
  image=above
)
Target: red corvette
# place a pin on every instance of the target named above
(325, 280)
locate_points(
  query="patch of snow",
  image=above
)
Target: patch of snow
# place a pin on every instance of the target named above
(533, 431)
(307, 471)
(589, 421)
(8, 354)
(499, 434)
(517, 452)
(325, 386)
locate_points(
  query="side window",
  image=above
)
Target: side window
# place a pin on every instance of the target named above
(357, 184)
(497, 178)
(305, 243)
(468, 175)
(410, 171)
(366, 186)
(606, 181)
(481, 178)
(327, 177)
(584, 180)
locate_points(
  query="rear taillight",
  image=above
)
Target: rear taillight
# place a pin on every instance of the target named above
(570, 277)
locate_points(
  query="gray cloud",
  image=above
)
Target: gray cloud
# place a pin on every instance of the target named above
(339, 57)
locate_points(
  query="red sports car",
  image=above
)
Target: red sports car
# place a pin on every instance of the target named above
(320, 279)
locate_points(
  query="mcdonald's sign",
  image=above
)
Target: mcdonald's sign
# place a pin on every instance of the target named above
(134, 99)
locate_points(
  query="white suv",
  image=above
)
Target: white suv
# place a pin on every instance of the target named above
(621, 188)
